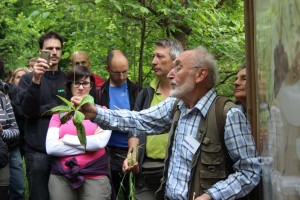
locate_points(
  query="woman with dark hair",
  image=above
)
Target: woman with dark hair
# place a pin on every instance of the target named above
(78, 173)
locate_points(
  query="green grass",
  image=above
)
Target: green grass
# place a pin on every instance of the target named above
(26, 182)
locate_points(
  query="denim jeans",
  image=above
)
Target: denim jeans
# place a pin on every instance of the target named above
(38, 166)
(17, 180)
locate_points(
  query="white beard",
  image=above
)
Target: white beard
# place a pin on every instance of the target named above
(183, 90)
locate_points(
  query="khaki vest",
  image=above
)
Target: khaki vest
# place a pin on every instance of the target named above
(211, 163)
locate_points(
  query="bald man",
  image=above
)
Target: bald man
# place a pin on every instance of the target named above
(81, 58)
(118, 92)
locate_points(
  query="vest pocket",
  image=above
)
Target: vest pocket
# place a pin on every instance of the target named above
(212, 168)
(211, 154)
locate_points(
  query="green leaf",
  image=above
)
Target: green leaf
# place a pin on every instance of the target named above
(85, 99)
(204, 18)
(81, 133)
(144, 10)
(58, 109)
(66, 101)
(35, 13)
(78, 117)
(132, 5)
(98, 1)
(45, 15)
(117, 5)
(77, 120)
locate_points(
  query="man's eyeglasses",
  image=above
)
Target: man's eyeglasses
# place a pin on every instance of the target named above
(119, 73)
(178, 67)
(84, 84)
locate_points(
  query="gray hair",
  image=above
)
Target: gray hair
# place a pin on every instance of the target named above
(203, 58)
(174, 45)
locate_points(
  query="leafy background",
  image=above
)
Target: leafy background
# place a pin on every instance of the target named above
(133, 26)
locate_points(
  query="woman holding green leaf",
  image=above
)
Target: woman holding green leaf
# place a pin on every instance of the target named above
(80, 171)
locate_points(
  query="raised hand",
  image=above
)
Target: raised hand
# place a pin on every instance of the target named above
(39, 68)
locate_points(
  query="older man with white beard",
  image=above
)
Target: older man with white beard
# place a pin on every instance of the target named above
(193, 78)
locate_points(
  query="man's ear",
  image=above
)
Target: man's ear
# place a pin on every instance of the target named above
(106, 67)
(88, 64)
(201, 74)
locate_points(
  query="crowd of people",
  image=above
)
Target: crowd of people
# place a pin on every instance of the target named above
(173, 125)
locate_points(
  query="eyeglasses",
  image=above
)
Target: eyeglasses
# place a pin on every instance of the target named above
(119, 73)
(179, 67)
(84, 84)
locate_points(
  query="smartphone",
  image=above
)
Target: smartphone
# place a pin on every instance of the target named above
(46, 55)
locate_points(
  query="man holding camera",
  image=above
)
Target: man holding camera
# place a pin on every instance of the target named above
(37, 94)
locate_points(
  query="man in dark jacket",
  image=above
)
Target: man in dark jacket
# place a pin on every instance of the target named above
(118, 92)
(37, 94)
(152, 149)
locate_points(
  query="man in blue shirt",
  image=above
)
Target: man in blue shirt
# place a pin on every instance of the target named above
(193, 78)
(118, 92)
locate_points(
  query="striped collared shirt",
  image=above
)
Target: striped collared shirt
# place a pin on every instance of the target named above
(157, 119)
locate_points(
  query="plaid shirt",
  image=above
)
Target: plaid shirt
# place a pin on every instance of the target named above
(157, 119)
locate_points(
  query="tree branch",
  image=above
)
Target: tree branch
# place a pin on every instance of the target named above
(220, 4)
(227, 77)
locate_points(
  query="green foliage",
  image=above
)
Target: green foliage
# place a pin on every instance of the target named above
(132, 162)
(78, 116)
(97, 26)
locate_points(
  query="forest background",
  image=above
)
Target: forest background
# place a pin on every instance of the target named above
(96, 26)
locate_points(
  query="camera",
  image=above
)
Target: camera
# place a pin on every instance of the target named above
(46, 55)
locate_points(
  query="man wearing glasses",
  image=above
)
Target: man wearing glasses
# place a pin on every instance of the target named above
(201, 162)
(118, 92)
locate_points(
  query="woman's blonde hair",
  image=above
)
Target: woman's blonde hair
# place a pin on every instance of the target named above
(25, 69)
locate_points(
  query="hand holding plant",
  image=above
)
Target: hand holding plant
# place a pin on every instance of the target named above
(131, 164)
(73, 111)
